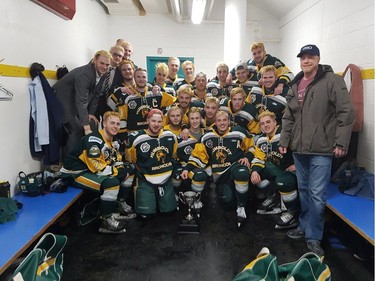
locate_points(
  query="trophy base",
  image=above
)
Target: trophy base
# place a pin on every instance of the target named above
(188, 227)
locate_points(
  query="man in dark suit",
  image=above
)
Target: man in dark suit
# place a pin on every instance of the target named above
(78, 93)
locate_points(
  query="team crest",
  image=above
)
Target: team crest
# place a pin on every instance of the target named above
(253, 98)
(145, 112)
(209, 144)
(221, 155)
(230, 88)
(132, 104)
(160, 155)
(215, 92)
(94, 150)
(145, 147)
(278, 64)
(188, 149)
(264, 147)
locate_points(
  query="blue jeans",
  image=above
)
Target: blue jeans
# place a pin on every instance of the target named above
(313, 177)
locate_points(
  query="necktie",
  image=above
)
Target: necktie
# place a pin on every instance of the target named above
(106, 84)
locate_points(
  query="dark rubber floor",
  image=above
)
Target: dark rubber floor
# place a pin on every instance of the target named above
(152, 250)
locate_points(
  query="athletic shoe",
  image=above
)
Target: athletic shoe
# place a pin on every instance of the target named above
(314, 246)
(241, 215)
(296, 233)
(110, 225)
(270, 206)
(124, 209)
(286, 220)
(126, 217)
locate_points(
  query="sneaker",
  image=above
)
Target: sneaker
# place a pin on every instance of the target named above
(296, 233)
(315, 247)
(286, 220)
(126, 217)
(270, 206)
(241, 215)
(124, 208)
(110, 225)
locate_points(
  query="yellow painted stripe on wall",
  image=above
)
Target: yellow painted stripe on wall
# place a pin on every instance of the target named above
(367, 74)
(21, 71)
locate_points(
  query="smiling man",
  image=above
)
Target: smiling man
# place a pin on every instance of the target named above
(229, 151)
(78, 92)
(317, 126)
(95, 164)
(153, 151)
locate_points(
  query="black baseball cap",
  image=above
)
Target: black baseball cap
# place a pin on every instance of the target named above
(309, 49)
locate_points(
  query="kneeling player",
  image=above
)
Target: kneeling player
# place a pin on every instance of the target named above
(153, 151)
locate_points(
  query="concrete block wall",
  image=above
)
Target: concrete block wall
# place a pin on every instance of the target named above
(344, 32)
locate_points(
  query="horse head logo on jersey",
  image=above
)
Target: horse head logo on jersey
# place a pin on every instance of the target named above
(221, 155)
(145, 112)
(160, 155)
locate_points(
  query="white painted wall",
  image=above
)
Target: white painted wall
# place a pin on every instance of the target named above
(29, 33)
(344, 32)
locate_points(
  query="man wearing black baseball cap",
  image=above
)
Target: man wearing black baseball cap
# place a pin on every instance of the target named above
(309, 49)
(317, 126)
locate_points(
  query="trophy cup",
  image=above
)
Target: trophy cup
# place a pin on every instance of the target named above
(189, 224)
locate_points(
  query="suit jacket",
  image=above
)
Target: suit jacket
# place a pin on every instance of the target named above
(78, 93)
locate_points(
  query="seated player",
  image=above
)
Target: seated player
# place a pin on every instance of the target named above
(276, 177)
(96, 164)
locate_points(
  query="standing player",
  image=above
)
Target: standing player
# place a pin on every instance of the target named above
(241, 113)
(263, 96)
(218, 87)
(138, 105)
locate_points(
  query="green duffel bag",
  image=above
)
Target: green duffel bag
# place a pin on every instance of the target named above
(45, 261)
(309, 267)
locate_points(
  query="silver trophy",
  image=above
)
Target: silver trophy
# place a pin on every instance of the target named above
(189, 224)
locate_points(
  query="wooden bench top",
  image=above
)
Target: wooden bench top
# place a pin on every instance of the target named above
(37, 214)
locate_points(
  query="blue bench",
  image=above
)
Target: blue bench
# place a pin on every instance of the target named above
(357, 212)
(37, 214)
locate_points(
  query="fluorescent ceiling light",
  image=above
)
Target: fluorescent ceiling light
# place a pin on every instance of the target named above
(197, 11)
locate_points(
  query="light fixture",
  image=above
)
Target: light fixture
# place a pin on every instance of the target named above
(197, 11)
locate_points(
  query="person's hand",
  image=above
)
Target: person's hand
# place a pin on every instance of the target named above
(244, 161)
(184, 134)
(283, 149)
(93, 118)
(229, 79)
(185, 174)
(279, 89)
(339, 152)
(291, 168)
(155, 89)
(127, 90)
(255, 177)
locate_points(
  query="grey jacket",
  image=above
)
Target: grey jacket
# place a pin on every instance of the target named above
(78, 93)
(326, 118)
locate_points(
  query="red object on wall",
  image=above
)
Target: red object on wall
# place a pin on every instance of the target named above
(63, 8)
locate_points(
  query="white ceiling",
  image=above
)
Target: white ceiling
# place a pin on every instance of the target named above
(214, 8)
